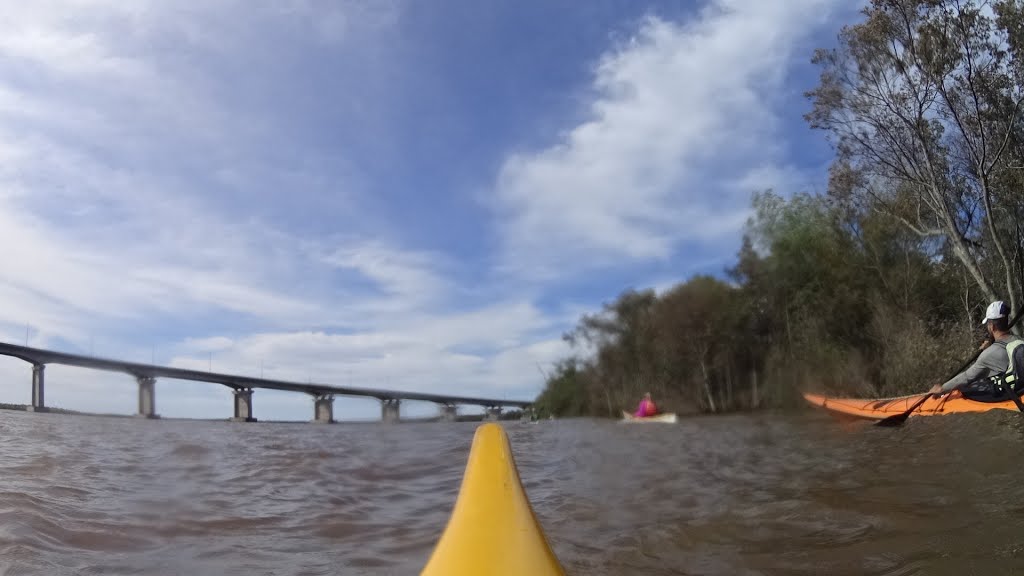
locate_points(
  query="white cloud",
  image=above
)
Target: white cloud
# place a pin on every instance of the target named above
(476, 352)
(115, 151)
(210, 344)
(150, 169)
(680, 114)
(88, 280)
(405, 276)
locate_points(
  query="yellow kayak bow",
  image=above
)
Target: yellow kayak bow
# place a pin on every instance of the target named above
(492, 530)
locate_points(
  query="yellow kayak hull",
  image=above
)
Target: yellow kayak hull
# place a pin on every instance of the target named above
(667, 418)
(492, 530)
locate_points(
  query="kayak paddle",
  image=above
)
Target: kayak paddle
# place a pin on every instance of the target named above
(899, 419)
(1015, 397)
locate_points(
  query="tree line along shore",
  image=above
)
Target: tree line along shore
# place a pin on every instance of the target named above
(875, 287)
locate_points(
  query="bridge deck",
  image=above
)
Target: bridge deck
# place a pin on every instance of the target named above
(43, 356)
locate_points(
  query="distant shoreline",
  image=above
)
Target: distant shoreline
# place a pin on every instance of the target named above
(65, 411)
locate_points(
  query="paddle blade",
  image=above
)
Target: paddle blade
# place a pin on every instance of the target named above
(899, 419)
(893, 421)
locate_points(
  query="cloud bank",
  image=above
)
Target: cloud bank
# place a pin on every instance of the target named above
(183, 183)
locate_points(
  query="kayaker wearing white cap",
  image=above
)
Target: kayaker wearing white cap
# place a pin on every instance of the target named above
(994, 358)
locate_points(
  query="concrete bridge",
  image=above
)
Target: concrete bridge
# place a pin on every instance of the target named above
(243, 386)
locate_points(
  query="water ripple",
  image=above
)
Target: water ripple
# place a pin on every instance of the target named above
(762, 494)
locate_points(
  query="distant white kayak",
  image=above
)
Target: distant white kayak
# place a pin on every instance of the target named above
(666, 418)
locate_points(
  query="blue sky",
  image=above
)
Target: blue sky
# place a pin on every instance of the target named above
(391, 193)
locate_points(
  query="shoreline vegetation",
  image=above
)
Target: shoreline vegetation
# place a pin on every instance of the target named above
(875, 288)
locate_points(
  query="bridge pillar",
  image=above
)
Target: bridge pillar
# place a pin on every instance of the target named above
(38, 388)
(147, 397)
(243, 405)
(389, 410)
(323, 409)
(492, 413)
(449, 413)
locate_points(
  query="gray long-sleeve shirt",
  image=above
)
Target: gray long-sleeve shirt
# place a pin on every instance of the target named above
(993, 360)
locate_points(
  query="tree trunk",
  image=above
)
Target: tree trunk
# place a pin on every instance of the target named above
(707, 385)
(728, 386)
(1000, 250)
(963, 254)
(789, 335)
(754, 400)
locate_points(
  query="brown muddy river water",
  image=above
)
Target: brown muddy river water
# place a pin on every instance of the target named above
(736, 495)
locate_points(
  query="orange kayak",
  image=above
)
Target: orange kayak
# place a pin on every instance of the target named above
(885, 407)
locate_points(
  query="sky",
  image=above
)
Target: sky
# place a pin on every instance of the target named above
(408, 195)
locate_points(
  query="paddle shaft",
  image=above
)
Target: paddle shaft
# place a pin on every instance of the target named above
(1015, 397)
(900, 418)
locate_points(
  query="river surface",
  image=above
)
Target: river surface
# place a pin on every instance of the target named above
(793, 493)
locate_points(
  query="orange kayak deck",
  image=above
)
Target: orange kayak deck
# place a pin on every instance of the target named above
(879, 409)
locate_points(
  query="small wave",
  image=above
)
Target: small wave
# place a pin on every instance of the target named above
(190, 451)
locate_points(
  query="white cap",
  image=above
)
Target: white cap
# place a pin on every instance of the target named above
(996, 310)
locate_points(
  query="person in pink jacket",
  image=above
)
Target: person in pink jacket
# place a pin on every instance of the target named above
(646, 408)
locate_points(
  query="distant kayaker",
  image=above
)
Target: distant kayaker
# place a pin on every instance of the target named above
(646, 407)
(994, 358)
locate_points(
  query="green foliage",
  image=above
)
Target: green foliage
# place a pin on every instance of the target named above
(564, 394)
(923, 99)
(874, 288)
(821, 297)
